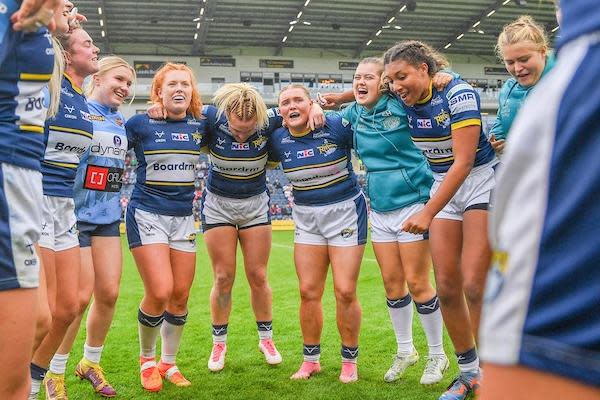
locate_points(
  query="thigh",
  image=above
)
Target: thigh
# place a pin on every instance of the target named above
(256, 245)
(345, 266)
(48, 264)
(17, 332)
(183, 265)
(67, 272)
(416, 260)
(312, 262)
(390, 262)
(108, 264)
(86, 274)
(221, 244)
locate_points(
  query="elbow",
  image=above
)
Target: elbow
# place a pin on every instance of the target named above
(464, 165)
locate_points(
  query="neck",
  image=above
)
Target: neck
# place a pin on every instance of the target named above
(176, 115)
(76, 77)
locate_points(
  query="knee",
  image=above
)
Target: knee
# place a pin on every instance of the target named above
(310, 294)
(447, 290)
(419, 288)
(345, 295)
(108, 298)
(258, 278)
(66, 313)
(223, 282)
(473, 292)
(43, 323)
(160, 297)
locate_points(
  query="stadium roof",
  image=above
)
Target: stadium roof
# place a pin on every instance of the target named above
(348, 27)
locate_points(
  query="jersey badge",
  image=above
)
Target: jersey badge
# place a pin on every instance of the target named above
(391, 122)
(197, 137)
(119, 121)
(260, 142)
(327, 148)
(443, 119)
(345, 122)
(346, 233)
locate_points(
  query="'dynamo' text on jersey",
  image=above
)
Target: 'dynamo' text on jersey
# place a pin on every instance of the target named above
(318, 164)
(432, 120)
(24, 73)
(167, 152)
(99, 176)
(67, 137)
(237, 170)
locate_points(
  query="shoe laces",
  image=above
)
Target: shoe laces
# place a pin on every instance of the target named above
(217, 351)
(56, 388)
(96, 375)
(461, 384)
(433, 365)
(269, 345)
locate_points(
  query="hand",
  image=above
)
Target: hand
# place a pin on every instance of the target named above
(497, 145)
(316, 117)
(330, 100)
(35, 13)
(417, 223)
(157, 111)
(441, 80)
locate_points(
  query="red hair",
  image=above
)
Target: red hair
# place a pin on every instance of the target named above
(195, 108)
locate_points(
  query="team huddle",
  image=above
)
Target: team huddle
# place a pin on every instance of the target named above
(412, 121)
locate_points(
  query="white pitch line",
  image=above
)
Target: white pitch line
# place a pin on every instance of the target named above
(287, 246)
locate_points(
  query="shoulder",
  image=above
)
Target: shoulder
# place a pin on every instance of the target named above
(278, 135)
(455, 87)
(137, 120)
(508, 87)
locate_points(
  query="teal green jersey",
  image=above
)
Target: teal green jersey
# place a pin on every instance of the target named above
(512, 96)
(397, 173)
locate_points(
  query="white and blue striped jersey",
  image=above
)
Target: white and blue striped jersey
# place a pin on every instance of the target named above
(237, 170)
(432, 120)
(100, 172)
(25, 71)
(167, 152)
(67, 137)
(318, 164)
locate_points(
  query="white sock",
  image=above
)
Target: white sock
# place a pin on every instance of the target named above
(171, 337)
(468, 361)
(433, 324)
(92, 354)
(36, 384)
(148, 332)
(58, 364)
(401, 314)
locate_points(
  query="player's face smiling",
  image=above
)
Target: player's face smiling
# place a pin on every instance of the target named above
(365, 84)
(176, 93)
(525, 62)
(294, 106)
(410, 83)
(113, 86)
(241, 129)
(82, 55)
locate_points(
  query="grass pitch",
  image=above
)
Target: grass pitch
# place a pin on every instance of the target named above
(246, 375)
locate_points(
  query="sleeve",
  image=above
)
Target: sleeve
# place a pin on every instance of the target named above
(343, 130)
(499, 130)
(131, 129)
(464, 106)
(273, 157)
(275, 118)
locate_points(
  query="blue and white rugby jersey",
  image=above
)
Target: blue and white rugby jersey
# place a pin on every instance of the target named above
(99, 176)
(579, 17)
(25, 71)
(67, 137)
(237, 170)
(167, 151)
(432, 120)
(317, 164)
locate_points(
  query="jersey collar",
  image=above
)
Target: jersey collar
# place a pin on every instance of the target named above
(428, 97)
(75, 87)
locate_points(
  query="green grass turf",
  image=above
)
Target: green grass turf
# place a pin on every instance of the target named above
(246, 375)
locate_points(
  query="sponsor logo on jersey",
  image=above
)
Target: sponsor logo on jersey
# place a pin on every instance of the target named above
(33, 260)
(156, 121)
(34, 103)
(104, 179)
(193, 122)
(327, 148)
(60, 146)
(346, 233)
(442, 119)
(119, 121)
(180, 137)
(220, 142)
(306, 153)
(463, 102)
(69, 110)
(100, 150)
(424, 123)
(97, 118)
(410, 120)
(197, 137)
(320, 134)
(117, 140)
(391, 122)
(159, 137)
(436, 101)
(182, 166)
(85, 116)
(191, 238)
(272, 112)
(66, 92)
(345, 122)
(287, 140)
(240, 146)
(260, 142)
(287, 155)
(386, 113)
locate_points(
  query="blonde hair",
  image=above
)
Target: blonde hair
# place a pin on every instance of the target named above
(416, 53)
(242, 100)
(106, 64)
(294, 86)
(524, 29)
(195, 108)
(55, 83)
